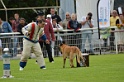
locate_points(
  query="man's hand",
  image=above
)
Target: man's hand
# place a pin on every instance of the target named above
(57, 30)
(52, 44)
(28, 33)
(47, 41)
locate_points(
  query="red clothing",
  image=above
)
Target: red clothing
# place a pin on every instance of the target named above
(15, 25)
(48, 30)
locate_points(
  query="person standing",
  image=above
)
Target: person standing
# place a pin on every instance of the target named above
(87, 22)
(55, 16)
(22, 23)
(5, 27)
(14, 23)
(113, 20)
(73, 24)
(32, 32)
(66, 20)
(48, 30)
(57, 29)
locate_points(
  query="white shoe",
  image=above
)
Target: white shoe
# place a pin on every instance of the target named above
(52, 62)
(43, 68)
(21, 69)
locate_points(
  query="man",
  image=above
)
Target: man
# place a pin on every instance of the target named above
(54, 16)
(57, 29)
(48, 30)
(66, 20)
(5, 27)
(32, 32)
(14, 22)
(87, 22)
(22, 23)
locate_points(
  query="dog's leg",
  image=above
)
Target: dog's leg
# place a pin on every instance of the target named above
(64, 60)
(72, 65)
(79, 55)
(71, 60)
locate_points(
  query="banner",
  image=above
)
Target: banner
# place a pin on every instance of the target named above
(104, 13)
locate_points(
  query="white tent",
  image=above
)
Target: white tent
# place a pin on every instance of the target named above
(66, 6)
(85, 6)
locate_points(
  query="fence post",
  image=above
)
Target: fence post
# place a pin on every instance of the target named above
(6, 64)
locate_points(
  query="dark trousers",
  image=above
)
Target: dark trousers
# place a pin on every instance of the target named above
(49, 50)
(112, 38)
(105, 43)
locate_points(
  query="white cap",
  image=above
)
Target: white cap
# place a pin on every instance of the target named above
(6, 49)
(49, 15)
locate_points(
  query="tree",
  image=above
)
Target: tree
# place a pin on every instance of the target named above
(27, 14)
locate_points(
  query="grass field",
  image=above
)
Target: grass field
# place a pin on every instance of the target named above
(103, 68)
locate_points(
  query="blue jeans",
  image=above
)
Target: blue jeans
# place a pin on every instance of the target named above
(84, 37)
(14, 46)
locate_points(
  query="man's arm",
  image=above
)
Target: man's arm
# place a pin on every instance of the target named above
(9, 27)
(43, 37)
(26, 29)
(51, 32)
(90, 22)
(84, 20)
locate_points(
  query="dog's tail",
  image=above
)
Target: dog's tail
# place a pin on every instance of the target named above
(80, 57)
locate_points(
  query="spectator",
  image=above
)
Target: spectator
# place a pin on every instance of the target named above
(74, 25)
(5, 27)
(0, 47)
(105, 34)
(14, 22)
(87, 22)
(113, 20)
(48, 30)
(54, 16)
(49, 18)
(16, 16)
(22, 23)
(57, 29)
(120, 38)
(66, 20)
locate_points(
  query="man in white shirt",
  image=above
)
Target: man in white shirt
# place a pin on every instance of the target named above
(32, 32)
(87, 22)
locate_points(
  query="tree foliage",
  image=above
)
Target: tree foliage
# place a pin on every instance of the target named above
(29, 15)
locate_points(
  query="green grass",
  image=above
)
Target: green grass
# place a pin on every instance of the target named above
(103, 68)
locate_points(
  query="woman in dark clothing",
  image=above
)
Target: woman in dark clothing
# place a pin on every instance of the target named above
(75, 40)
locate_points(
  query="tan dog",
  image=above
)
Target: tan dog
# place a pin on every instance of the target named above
(71, 52)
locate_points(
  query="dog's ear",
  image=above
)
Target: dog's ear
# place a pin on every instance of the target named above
(63, 42)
